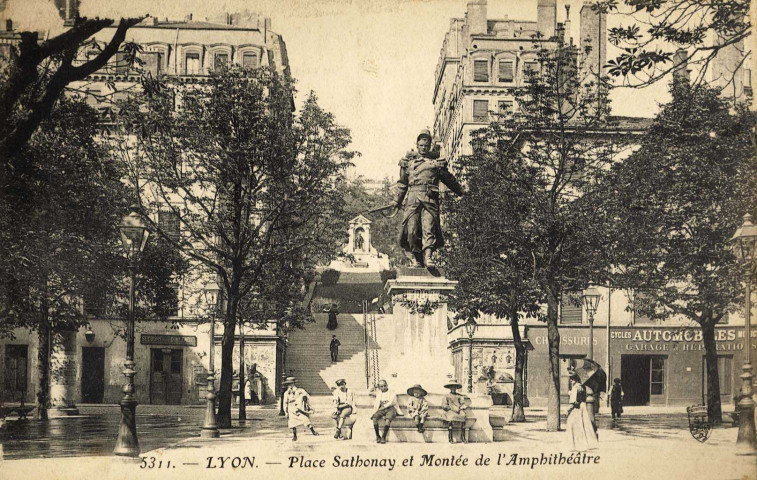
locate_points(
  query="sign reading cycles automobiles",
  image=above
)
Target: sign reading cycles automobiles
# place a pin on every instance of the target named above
(659, 339)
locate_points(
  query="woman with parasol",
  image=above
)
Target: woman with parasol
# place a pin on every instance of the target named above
(580, 427)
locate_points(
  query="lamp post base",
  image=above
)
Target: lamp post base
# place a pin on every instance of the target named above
(746, 409)
(127, 444)
(210, 427)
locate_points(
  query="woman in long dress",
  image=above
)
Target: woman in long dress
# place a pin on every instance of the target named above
(580, 428)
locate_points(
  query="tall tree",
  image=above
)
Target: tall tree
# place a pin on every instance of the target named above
(495, 277)
(552, 144)
(37, 74)
(678, 200)
(253, 186)
(60, 244)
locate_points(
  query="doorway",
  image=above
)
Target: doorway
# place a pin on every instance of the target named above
(15, 374)
(92, 374)
(166, 376)
(643, 379)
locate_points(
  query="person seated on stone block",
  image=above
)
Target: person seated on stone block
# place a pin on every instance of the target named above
(386, 408)
(417, 409)
(454, 409)
(344, 405)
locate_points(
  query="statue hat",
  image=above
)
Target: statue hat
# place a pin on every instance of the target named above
(424, 133)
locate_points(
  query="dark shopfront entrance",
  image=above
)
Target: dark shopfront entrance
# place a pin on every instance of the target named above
(643, 379)
(166, 376)
(93, 374)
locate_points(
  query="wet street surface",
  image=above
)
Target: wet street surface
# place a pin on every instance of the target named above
(94, 433)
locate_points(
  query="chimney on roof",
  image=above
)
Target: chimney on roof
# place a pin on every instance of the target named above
(188, 18)
(228, 19)
(681, 65)
(9, 25)
(567, 25)
(475, 17)
(154, 20)
(546, 18)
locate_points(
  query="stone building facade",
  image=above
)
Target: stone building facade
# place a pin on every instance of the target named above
(171, 357)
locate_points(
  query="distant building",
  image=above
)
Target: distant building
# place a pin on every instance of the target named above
(362, 255)
(483, 59)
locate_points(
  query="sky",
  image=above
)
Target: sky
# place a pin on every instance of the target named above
(370, 62)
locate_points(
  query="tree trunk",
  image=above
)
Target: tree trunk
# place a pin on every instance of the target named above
(223, 417)
(44, 335)
(553, 339)
(242, 412)
(714, 409)
(520, 360)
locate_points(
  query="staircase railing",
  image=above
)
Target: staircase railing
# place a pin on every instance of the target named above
(371, 347)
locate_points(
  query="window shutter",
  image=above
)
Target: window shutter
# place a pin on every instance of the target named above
(480, 71)
(480, 110)
(168, 221)
(506, 73)
(250, 60)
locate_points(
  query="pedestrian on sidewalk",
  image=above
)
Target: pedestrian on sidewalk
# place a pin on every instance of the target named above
(386, 408)
(344, 405)
(297, 408)
(454, 408)
(616, 398)
(580, 427)
(417, 409)
(334, 348)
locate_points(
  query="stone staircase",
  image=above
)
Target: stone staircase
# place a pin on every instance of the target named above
(308, 356)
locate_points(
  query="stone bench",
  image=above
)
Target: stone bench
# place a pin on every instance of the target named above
(436, 428)
(21, 410)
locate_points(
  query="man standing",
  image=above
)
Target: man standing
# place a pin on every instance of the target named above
(334, 348)
(385, 408)
(344, 404)
(420, 174)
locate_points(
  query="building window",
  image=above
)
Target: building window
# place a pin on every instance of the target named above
(641, 302)
(480, 71)
(153, 62)
(724, 376)
(480, 110)
(571, 313)
(506, 71)
(95, 301)
(250, 60)
(169, 223)
(14, 388)
(530, 68)
(657, 376)
(192, 63)
(220, 60)
(505, 107)
(121, 64)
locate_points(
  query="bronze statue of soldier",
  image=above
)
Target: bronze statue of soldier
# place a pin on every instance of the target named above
(421, 171)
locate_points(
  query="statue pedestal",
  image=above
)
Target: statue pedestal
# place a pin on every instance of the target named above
(419, 299)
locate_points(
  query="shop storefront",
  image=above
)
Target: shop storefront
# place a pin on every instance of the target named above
(657, 365)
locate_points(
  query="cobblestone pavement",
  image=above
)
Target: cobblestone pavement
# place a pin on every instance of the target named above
(646, 443)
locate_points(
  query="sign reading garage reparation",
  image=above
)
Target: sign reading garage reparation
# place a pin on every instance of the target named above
(675, 339)
(173, 340)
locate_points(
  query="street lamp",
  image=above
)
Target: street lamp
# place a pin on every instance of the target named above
(744, 242)
(470, 329)
(133, 238)
(591, 302)
(590, 299)
(210, 427)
